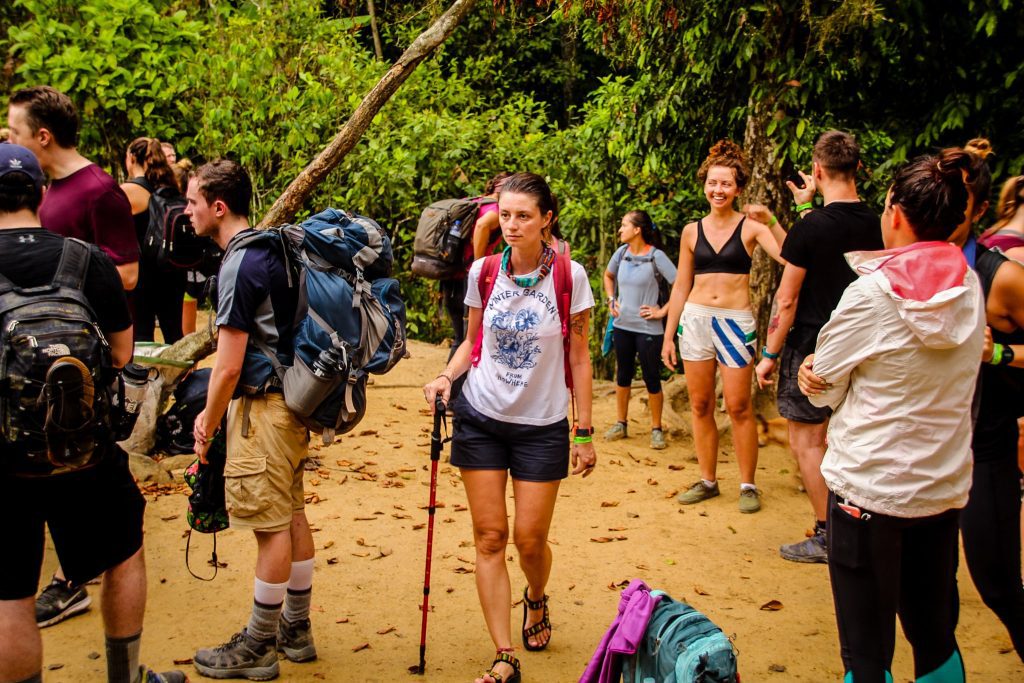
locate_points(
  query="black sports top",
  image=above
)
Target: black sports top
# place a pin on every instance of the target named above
(733, 257)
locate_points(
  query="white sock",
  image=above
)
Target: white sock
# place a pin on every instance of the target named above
(302, 575)
(709, 484)
(747, 487)
(269, 594)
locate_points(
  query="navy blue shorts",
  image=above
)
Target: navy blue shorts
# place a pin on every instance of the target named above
(528, 452)
(792, 404)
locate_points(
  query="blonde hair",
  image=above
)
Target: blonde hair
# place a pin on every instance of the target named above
(1010, 200)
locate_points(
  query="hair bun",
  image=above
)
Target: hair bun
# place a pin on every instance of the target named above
(726, 149)
(980, 147)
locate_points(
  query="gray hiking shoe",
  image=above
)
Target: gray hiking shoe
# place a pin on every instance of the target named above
(240, 657)
(811, 550)
(697, 493)
(618, 431)
(750, 500)
(296, 640)
(658, 440)
(150, 676)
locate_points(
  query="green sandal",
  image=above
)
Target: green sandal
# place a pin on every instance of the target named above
(541, 626)
(507, 657)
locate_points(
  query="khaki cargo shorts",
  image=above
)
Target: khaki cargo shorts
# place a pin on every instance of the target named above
(263, 471)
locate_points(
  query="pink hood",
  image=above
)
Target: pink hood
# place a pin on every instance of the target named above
(928, 283)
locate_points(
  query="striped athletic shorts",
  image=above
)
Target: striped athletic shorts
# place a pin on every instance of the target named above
(706, 333)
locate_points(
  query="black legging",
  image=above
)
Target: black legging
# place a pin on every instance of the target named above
(629, 345)
(883, 566)
(991, 525)
(158, 296)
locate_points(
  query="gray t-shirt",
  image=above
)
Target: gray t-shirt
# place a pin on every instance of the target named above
(638, 287)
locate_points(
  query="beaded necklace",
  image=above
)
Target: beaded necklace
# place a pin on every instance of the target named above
(547, 259)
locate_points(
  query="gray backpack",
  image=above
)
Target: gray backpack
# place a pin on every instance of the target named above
(441, 236)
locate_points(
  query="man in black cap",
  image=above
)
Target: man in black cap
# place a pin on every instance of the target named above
(94, 512)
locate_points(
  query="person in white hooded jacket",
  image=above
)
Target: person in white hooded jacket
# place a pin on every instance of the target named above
(897, 362)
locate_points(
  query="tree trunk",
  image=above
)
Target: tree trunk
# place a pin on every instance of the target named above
(766, 187)
(377, 48)
(199, 344)
(288, 204)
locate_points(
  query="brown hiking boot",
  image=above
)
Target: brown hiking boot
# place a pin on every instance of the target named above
(69, 395)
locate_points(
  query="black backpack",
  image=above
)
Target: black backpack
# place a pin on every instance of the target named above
(174, 428)
(170, 239)
(40, 326)
(441, 235)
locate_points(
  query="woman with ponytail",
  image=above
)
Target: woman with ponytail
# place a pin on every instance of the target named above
(632, 282)
(1008, 231)
(161, 289)
(710, 303)
(898, 362)
(990, 523)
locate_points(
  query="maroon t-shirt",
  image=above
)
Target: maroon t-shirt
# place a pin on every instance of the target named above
(89, 205)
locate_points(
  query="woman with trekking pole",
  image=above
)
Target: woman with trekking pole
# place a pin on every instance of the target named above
(529, 312)
(898, 362)
(710, 302)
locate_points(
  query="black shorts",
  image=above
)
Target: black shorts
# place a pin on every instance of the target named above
(528, 452)
(95, 520)
(793, 405)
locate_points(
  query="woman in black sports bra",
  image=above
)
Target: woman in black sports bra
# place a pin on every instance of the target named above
(710, 303)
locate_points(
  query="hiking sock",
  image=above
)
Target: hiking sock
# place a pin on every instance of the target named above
(708, 484)
(35, 678)
(266, 610)
(300, 591)
(123, 659)
(747, 487)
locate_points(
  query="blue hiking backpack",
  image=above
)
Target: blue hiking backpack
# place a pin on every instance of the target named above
(350, 319)
(681, 645)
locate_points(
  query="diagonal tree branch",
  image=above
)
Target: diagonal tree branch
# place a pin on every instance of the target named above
(288, 204)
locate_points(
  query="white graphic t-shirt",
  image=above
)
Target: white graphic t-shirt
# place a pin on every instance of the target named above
(521, 375)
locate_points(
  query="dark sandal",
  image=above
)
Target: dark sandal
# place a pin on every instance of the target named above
(507, 657)
(541, 626)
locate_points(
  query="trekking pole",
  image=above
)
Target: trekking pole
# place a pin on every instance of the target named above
(435, 455)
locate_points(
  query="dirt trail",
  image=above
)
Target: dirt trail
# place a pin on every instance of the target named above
(370, 536)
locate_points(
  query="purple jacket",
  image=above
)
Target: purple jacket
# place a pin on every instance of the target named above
(624, 635)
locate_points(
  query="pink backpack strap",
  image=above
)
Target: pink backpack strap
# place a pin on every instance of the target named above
(485, 285)
(562, 273)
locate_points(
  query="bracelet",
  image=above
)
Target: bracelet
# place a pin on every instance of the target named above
(450, 380)
(611, 300)
(765, 353)
(997, 355)
(582, 439)
(803, 207)
(772, 222)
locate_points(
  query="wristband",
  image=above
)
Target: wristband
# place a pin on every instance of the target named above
(997, 354)
(773, 221)
(583, 431)
(803, 207)
(765, 353)
(582, 439)
(450, 380)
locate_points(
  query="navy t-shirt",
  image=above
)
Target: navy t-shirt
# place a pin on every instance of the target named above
(254, 296)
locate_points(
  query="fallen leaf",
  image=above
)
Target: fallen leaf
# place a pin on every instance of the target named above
(368, 432)
(616, 528)
(652, 482)
(417, 527)
(463, 570)
(328, 544)
(632, 515)
(609, 503)
(384, 552)
(385, 631)
(365, 519)
(731, 529)
(675, 468)
(777, 668)
(343, 620)
(400, 516)
(364, 646)
(360, 554)
(700, 591)
(169, 518)
(772, 606)
(178, 662)
(332, 560)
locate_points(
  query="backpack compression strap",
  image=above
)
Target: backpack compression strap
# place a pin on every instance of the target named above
(74, 264)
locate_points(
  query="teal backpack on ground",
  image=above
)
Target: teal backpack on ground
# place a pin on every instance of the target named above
(681, 645)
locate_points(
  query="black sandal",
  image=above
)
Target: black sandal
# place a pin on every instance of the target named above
(507, 657)
(541, 626)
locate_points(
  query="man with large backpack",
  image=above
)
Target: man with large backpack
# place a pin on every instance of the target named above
(267, 445)
(65, 331)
